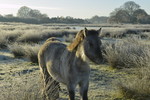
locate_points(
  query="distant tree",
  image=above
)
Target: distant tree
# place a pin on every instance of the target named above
(129, 12)
(140, 13)
(122, 16)
(24, 12)
(44, 16)
(9, 16)
(130, 7)
(69, 17)
(141, 16)
(98, 19)
(113, 13)
(112, 19)
(34, 14)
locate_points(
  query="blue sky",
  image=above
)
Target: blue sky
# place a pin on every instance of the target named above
(74, 8)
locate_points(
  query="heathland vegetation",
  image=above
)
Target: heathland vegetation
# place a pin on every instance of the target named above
(124, 75)
(129, 12)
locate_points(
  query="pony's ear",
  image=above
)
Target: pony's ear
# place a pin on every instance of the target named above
(99, 31)
(85, 32)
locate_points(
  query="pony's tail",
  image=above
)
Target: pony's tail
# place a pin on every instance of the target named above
(51, 87)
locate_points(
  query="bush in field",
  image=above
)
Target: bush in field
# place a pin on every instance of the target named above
(137, 88)
(69, 38)
(22, 88)
(35, 36)
(129, 53)
(32, 53)
(25, 51)
(17, 50)
(3, 42)
(7, 37)
(31, 36)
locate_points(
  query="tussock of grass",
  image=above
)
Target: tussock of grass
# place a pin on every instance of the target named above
(25, 51)
(125, 32)
(17, 50)
(22, 87)
(69, 38)
(31, 36)
(3, 42)
(32, 53)
(137, 88)
(35, 36)
(128, 53)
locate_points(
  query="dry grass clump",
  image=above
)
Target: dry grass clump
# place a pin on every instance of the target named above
(137, 88)
(17, 50)
(119, 32)
(32, 53)
(35, 36)
(9, 36)
(22, 93)
(128, 53)
(113, 32)
(131, 53)
(3, 42)
(31, 36)
(145, 35)
(21, 87)
(25, 51)
(69, 38)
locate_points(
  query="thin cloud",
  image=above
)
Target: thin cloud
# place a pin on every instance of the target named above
(46, 8)
(11, 6)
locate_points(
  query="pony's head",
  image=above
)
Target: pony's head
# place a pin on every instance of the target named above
(90, 44)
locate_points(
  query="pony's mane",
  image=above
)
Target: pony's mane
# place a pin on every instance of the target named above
(79, 37)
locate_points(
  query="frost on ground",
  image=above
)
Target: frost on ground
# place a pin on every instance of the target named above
(21, 80)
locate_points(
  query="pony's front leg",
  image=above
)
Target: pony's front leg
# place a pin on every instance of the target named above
(71, 90)
(84, 90)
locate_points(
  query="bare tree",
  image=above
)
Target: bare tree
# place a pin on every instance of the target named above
(141, 16)
(23, 12)
(26, 12)
(130, 7)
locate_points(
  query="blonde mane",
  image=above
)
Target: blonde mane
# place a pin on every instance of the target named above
(79, 37)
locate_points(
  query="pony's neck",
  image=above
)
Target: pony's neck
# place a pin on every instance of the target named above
(80, 52)
(78, 39)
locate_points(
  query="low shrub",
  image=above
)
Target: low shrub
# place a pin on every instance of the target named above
(32, 53)
(25, 51)
(137, 88)
(128, 53)
(17, 50)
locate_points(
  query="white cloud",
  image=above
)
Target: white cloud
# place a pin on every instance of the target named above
(11, 6)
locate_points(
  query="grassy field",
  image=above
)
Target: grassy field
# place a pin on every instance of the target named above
(125, 75)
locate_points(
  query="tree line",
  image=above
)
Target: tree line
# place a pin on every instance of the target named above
(129, 12)
(33, 16)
